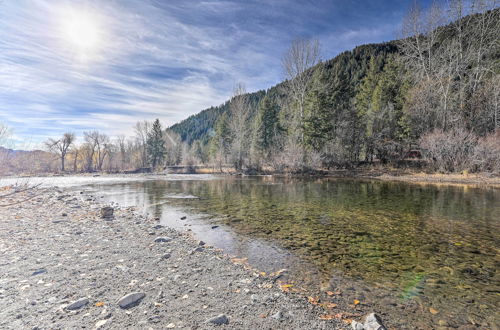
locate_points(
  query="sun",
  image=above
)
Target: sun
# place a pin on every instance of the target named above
(81, 31)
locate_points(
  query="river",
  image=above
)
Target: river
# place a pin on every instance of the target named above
(425, 255)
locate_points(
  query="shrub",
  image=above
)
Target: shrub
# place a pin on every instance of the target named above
(449, 151)
(486, 157)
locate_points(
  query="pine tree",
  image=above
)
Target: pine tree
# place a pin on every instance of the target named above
(267, 126)
(318, 124)
(156, 145)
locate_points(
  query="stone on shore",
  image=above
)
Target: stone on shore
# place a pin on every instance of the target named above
(277, 316)
(131, 300)
(107, 212)
(38, 272)
(218, 320)
(372, 322)
(77, 304)
(163, 239)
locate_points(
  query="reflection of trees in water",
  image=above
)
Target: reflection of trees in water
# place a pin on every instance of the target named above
(379, 231)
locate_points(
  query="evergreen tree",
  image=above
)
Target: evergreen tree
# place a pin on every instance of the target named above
(156, 145)
(318, 123)
(267, 126)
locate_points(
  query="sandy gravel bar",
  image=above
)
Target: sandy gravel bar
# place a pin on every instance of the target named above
(62, 266)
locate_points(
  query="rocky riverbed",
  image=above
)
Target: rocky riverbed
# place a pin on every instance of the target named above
(65, 266)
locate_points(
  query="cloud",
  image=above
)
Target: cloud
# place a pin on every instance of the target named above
(154, 59)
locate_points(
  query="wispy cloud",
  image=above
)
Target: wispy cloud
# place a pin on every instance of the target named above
(156, 59)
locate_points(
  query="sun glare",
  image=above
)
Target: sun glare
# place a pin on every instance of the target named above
(82, 32)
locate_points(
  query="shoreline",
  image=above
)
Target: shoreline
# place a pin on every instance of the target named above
(63, 266)
(409, 176)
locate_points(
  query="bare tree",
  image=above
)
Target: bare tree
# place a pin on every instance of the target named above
(302, 55)
(122, 149)
(61, 146)
(99, 147)
(239, 126)
(455, 59)
(142, 129)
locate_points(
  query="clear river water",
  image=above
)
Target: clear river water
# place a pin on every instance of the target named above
(420, 255)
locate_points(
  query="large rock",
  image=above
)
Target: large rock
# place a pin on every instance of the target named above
(107, 212)
(218, 320)
(131, 300)
(372, 322)
(77, 304)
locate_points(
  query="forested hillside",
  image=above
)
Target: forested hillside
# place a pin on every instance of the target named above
(436, 91)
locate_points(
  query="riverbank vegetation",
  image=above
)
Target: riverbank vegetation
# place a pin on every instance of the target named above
(429, 99)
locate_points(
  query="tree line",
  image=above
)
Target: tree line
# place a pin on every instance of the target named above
(435, 92)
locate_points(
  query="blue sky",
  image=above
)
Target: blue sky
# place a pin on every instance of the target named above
(105, 64)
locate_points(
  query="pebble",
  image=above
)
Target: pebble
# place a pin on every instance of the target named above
(38, 272)
(198, 249)
(166, 256)
(131, 299)
(77, 304)
(278, 315)
(162, 239)
(218, 320)
(100, 323)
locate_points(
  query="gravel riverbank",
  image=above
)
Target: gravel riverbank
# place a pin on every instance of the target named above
(62, 266)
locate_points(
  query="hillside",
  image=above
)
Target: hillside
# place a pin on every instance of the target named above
(354, 63)
(435, 90)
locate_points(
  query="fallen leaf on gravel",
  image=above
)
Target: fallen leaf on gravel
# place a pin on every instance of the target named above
(433, 311)
(286, 287)
(237, 291)
(356, 302)
(327, 317)
(278, 273)
(331, 293)
(329, 305)
(347, 321)
(313, 300)
(263, 316)
(99, 304)
(241, 261)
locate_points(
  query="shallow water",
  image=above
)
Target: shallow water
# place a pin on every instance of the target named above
(420, 255)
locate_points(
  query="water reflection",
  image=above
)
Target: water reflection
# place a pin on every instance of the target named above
(431, 251)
